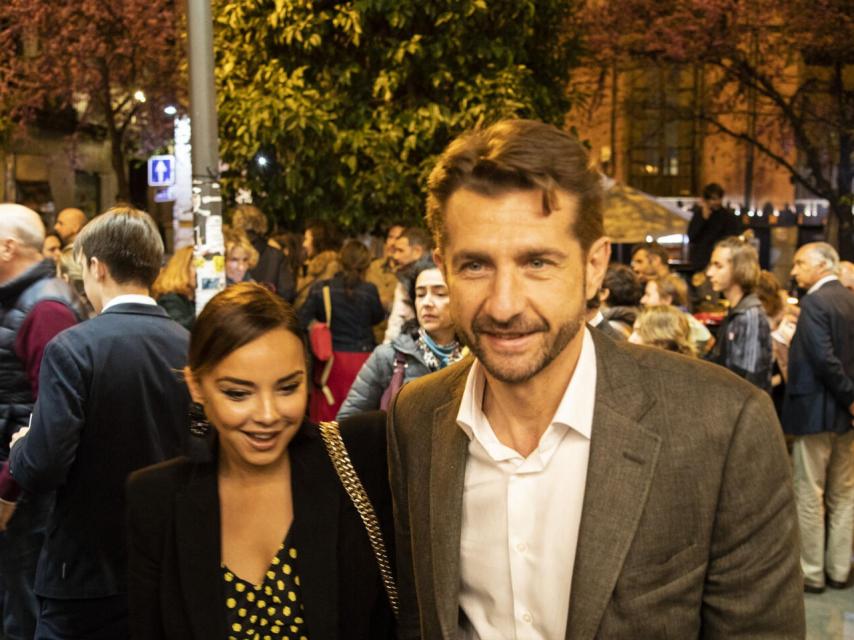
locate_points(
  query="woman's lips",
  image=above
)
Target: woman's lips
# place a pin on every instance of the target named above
(262, 440)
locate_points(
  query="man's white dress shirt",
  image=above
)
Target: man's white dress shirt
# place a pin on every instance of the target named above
(818, 285)
(129, 298)
(521, 516)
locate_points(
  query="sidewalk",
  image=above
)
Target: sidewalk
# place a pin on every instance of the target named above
(830, 616)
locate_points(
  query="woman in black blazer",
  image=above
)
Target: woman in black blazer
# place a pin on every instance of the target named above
(256, 537)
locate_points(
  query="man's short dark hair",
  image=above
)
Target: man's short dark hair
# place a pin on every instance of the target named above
(517, 155)
(713, 191)
(418, 237)
(624, 287)
(127, 241)
(652, 249)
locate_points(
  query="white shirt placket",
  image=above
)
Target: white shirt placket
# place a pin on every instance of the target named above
(521, 521)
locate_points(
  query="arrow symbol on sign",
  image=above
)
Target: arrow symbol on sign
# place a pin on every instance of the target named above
(160, 169)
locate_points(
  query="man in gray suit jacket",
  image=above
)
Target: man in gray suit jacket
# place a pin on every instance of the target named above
(560, 485)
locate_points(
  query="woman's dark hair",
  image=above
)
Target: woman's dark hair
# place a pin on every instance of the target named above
(291, 244)
(324, 236)
(423, 264)
(768, 291)
(235, 317)
(624, 288)
(355, 260)
(54, 234)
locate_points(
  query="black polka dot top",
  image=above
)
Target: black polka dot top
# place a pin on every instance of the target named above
(271, 611)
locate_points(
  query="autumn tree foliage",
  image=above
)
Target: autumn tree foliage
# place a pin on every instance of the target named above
(95, 59)
(337, 109)
(779, 76)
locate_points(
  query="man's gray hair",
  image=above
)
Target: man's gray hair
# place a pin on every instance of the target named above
(23, 224)
(823, 253)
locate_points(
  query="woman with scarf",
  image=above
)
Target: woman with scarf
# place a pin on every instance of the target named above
(425, 344)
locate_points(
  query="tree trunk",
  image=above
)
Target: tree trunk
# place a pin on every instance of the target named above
(844, 175)
(845, 230)
(120, 168)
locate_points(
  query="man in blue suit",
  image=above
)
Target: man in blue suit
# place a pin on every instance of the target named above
(110, 402)
(818, 410)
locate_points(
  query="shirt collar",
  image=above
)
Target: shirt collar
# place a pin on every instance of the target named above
(597, 319)
(129, 298)
(818, 285)
(575, 410)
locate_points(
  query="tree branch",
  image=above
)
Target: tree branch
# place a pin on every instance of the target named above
(829, 194)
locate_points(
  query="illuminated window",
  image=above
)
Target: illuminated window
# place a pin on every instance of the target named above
(663, 135)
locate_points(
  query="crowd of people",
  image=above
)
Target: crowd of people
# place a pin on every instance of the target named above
(457, 438)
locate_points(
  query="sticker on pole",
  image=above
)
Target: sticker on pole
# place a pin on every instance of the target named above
(161, 171)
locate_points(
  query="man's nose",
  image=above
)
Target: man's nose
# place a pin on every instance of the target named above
(506, 296)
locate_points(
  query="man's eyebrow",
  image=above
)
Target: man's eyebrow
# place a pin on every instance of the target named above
(469, 256)
(541, 252)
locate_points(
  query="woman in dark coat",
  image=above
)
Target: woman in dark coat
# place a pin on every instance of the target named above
(255, 535)
(356, 308)
(426, 344)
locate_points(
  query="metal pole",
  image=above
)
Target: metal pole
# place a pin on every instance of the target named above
(207, 200)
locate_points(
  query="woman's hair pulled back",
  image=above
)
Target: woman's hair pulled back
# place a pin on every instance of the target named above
(233, 318)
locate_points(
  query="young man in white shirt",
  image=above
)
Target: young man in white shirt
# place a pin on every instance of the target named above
(110, 402)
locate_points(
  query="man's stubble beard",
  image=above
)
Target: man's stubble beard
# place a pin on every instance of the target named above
(541, 360)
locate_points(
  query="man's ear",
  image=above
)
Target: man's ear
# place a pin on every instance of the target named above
(97, 268)
(8, 249)
(193, 386)
(440, 262)
(598, 257)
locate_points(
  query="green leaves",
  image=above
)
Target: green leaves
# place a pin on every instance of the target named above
(355, 99)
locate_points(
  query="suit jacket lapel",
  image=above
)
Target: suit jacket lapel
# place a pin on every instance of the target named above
(623, 457)
(317, 500)
(447, 476)
(197, 527)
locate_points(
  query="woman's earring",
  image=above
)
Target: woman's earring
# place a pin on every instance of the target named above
(199, 425)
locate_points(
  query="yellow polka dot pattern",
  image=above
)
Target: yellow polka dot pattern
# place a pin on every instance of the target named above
(259, 612)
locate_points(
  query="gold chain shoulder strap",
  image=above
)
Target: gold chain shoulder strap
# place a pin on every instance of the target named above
(331, 435)
(327, 367)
